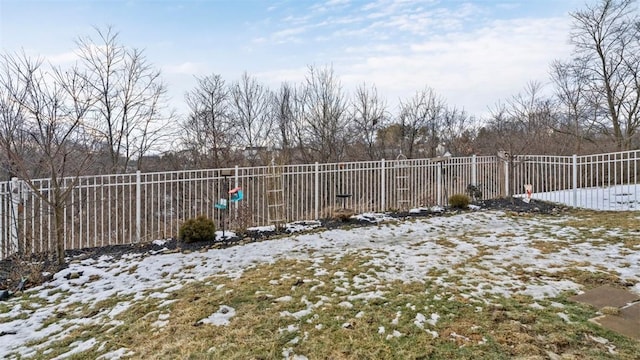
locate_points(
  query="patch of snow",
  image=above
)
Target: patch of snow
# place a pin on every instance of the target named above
(220, 318)
(297, 314)
(599, 340)
(433, 320)
(367, 295)
(116, 354)
(159, 323)
(395, 333)
(612, 198)
(564, 317)
(346, 305)
(288, 354)
(373, 217)
(536, 306)
(227, 235)
(299, 226)
(290, 328)
(419, 321)
(396, 319)
(434, 209)
(267, 228)
(119, 308)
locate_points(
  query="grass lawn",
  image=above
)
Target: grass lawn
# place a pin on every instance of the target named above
(476, 285)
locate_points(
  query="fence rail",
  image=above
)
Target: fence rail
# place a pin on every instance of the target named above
(140, 207)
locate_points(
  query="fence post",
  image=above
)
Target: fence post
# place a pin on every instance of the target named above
(439, 180)
(474, 170)
(15, 193)
(3, 199)
(574, 200)
(138, 205)
(236, 183)
(316, 191)
(506, 178)
(383, 186)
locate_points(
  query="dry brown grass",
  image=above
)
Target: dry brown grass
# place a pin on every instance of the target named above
(547, 246)
(466, 329)
(608, 226)
(340, 326)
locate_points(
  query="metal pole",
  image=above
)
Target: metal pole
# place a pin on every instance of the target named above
(236, 184)
(474, 170)
(316, 191)
(383, 186)
(138, 205)
(506, 178)
(14, 190)
(439, 177)
(225, 213)
(574, 201)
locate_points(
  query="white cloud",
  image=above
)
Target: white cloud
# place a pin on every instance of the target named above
(62, 58)
(274, 78)
(470, 69)
(185, 68)
(289, 33)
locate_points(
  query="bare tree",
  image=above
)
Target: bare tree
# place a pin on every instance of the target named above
(207, 130)
(606, 36)
(390, 139)
(324, 109)
(369, 115)
(420, 120)
(523, 124)
(578, 108)
(284, 105)
(13, 135)
(456, 131)
(130, 116)
(250, 114)
(47, 116)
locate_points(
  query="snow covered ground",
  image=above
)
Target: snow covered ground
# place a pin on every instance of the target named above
(614, 198)
(406, 251)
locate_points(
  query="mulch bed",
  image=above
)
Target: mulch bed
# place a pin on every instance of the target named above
(10, 267)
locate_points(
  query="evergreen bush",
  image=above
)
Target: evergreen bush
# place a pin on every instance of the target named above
(197, 229)
(459, 201)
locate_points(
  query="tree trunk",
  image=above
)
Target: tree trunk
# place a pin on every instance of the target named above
(59, 231)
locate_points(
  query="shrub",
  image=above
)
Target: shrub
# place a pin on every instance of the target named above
(459, 201)
(197, 229)
(25, 271)
(243, 218)
(343, 214)
(474, 192)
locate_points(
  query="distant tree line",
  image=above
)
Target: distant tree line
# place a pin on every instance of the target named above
(108, 113)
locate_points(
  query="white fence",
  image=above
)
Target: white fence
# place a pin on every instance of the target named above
(140, 207)
(602, 181)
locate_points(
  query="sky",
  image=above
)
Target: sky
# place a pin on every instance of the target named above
(473, 53)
